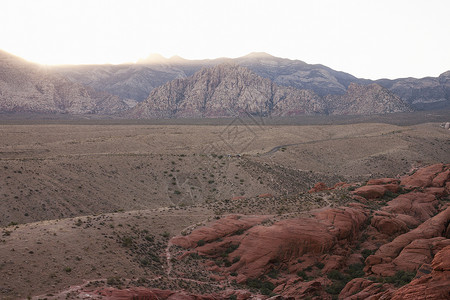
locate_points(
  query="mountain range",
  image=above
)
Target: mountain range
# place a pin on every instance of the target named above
(228, 90)
(257, 83)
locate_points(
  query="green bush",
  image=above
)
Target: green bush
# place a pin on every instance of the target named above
(127, 241)
(356, 270)
(273, 274)
(303, 275)
(335, 288)
(399, 279)
(232, 248)
(149, 238)
(201, 243)
(320, 265)
(335, 275)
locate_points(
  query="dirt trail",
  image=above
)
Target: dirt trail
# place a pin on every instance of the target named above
(276, 148)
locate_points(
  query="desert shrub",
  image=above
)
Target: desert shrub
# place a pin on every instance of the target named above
(335, 275)
(390, 195)
(356, 270)
(127, 241)
(239, 232)
(201, 243)
(265, 287)
(399, 279)
(335, 288)
(366, 252)
(302, 274)
(320, 265)
(254, 283)
(67, 269)
(232, 248)
(195, 255)
(113, 281)
(236, 259)
(273, 274)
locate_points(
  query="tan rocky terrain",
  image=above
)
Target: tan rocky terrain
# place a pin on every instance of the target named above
(27, 87)
(88, 209)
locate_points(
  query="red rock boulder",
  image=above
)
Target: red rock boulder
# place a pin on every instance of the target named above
(417, 204)
(389, 225)
(318, 187)
(434, 286)
(381, 181)
(422, 177)
(226, 226)
(361, 289)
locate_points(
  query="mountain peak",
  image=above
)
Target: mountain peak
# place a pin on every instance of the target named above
(152, 58)
(259, 55)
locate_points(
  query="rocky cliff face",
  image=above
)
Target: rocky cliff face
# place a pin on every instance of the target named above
(365, 100)
(25, 87)
(226, 90)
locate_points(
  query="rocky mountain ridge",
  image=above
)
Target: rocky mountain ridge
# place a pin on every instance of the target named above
(229, 90)
(26, 87)
(365, 100)
(136, 81)
(226, 90)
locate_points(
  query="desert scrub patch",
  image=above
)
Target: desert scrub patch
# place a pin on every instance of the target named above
(399, 279)
(319, 265)
(366, 253)
(127, 241)
(265, 287)
(302, 274)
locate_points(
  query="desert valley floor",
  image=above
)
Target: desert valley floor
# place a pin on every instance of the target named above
(97, 204)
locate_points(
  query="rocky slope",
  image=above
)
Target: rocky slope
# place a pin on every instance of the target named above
(365, 100)
(26, 87)
(226, 90)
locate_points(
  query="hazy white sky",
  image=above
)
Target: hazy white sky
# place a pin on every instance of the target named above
(371, 39)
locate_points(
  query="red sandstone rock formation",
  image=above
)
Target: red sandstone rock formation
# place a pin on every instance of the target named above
(432, 286)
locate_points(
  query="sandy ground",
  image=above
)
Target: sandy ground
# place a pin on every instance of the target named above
(73, 196)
